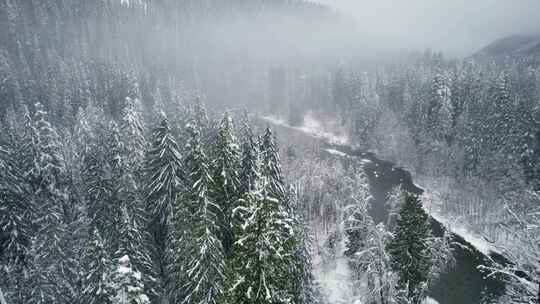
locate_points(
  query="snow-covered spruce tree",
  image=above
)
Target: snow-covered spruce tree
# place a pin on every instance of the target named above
(474, 120)
(132, 135)
(199, 117)
(125, 191)
(438, 108)
(113, 194)
(107, 186)
(134, 146)
(162, 177)
(263, 253)
(225, 169)
(50, 264)
(15, 216)
(97, 188)
(132, 243)
(271, 168)
(249, 167)
(92, 132)
(500, 134)
(14, 211)
(199, 275)
(263, 264)
(394, 203)
(180, 117)
(97, 267)
(410, 250)
(125, 284)
(89, 127)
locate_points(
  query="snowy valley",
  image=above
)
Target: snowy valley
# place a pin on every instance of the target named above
(269, 152)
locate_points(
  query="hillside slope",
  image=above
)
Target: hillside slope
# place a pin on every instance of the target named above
(523, 45)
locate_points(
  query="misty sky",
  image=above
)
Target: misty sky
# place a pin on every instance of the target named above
(457, 27)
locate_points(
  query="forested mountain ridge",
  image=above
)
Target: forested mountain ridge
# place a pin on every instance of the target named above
(516, 46)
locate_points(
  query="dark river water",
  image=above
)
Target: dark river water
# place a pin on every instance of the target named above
(463, 283)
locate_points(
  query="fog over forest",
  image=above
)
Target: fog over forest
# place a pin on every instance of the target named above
(269, 152)
(458, 28)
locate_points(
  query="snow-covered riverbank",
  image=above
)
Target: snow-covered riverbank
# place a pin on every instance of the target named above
(311, 126)
(463, 283)
(432, 201)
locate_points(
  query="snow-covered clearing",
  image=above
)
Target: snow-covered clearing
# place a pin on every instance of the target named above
(313, 127)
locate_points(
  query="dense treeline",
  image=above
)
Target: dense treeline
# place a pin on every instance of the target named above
(468, 130)
(64, 53)
(117, 213)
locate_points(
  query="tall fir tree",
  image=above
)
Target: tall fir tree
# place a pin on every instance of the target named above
(410, 250)
(133, 243)
(249, 160)
(199, 117)
(263, 266)
(97, 187)
(271, 167)
(98, 269)
(225, 177)
(163, 169)
(132, 135)
(50, 264)
(204, 263)
(263, 253)
(14, 211)
(15, 216)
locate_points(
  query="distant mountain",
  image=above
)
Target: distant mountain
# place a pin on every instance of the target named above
(524, 45)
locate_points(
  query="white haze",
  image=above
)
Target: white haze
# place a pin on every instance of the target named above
(457, 27)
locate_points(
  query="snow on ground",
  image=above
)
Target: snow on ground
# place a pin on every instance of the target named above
(333, 274)
(313, 127)
(336, 152)
(430, 300)
(432, 203)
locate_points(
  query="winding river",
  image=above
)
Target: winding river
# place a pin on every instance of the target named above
(463, 283)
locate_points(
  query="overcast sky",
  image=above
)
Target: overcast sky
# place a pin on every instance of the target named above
(457, 27)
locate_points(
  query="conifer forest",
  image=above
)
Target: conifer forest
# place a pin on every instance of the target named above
(269, 152)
